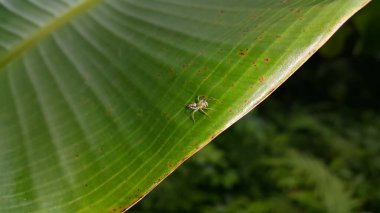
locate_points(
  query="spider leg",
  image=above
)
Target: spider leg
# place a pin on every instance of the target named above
(204, 112)
(192, 115)
(213, 99)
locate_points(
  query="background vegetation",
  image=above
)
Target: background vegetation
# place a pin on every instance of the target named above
(313, 146)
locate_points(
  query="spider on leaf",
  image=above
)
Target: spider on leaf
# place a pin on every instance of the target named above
(200, 105)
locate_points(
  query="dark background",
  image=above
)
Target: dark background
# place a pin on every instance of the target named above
(312, 146)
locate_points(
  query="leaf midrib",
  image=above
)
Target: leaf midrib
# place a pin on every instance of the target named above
(42, 32)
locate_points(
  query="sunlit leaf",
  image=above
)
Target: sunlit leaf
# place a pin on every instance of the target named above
(93, 93)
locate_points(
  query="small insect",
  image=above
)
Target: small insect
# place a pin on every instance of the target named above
(200, 105)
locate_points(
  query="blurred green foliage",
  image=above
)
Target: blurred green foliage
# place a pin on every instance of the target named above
(313, 146)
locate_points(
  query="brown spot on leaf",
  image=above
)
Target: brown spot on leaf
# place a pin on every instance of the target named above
(202, 69)
(262, 79)
(243, 52)
(266, 60)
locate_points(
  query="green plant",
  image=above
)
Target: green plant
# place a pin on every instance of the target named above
(93, 92)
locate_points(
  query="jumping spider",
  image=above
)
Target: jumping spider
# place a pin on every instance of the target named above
(200, 105)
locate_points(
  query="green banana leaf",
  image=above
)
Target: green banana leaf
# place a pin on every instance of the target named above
(93, 93)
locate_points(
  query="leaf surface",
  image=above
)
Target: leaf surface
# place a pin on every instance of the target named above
(93, 93)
